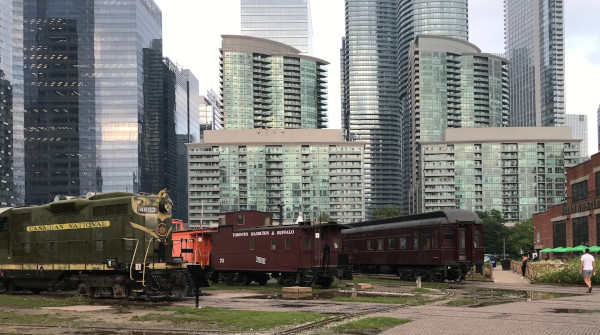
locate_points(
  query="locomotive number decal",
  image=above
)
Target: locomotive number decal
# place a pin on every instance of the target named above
(261, 260)
(147, 209)
(65, 226)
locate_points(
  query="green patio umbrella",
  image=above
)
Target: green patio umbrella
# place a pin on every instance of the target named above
(559, 249)
(569, 249)
(550, 250)
(595, 249)
(580, 248)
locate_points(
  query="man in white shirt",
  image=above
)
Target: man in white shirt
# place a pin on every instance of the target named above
(587, 267)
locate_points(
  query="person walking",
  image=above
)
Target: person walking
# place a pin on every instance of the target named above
(524, 266)
(587, 267)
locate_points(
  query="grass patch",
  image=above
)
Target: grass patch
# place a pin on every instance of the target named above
(218, 318)
(35, 301)
(38, 319)
(384, 300)
(370, 325)
(461, 302)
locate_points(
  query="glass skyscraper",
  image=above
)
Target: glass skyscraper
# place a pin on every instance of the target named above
(84, 102)
(210, 113)
(285, 21)
(579, 126)
(375, 84)
(535, 48)
(267, 84)
(452, 85)
(12, 178)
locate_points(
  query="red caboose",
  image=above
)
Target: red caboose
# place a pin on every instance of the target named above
(193, 246)
(248, 247)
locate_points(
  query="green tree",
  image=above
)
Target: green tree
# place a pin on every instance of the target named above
(324, 217)
(521, 238)
(386, 212)
(494, 231)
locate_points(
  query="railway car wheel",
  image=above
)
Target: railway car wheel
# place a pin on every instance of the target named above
(262, 280)
(325, 282)
(286, 281)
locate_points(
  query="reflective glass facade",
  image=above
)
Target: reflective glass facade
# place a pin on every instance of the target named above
(519, 174)
(12, 176)
(375, 84)
(210, 113)
(84, 104)
(534, 44)
(310, 172)
(579, 125)
(267, 84)
(285, 21)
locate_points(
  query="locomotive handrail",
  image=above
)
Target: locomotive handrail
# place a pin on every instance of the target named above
(132, 258)
(144, 264)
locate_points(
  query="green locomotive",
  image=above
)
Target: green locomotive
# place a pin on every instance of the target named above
(106, 245)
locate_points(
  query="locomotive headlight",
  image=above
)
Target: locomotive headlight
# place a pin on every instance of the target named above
(165, 206)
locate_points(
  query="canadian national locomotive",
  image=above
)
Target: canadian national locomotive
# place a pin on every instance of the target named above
(106, 245)
(435, 246)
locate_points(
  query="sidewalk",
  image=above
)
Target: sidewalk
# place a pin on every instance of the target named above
(567, 315)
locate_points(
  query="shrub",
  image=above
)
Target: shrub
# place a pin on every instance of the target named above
(564, 271)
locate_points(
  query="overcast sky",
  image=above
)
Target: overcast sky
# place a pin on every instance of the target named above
(192, 32)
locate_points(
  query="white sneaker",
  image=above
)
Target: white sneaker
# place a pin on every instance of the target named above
(522, 277)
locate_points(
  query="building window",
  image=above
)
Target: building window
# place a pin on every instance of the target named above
(597, 229)
(579, 191)
(559, 233)
(597, 174)
(580, 231)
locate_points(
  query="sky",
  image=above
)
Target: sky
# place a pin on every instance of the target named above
(192, 32)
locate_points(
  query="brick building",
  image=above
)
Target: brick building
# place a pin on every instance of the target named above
(577, 221)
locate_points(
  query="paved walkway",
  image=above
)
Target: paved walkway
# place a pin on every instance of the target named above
(568, 315)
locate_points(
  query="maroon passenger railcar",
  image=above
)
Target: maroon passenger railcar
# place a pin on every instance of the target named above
(436, 246)
(248, 247)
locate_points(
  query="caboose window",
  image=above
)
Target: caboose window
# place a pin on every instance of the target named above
(425, 240)
(416, 240)
(477, 238)
(448, 238)
(240, 219)
(403, 242)
(306, 243)
(251, 244)
(288, 244)
(370, 244)
(336, 242)
(273, 244)
(267, 221)
(380, 244)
